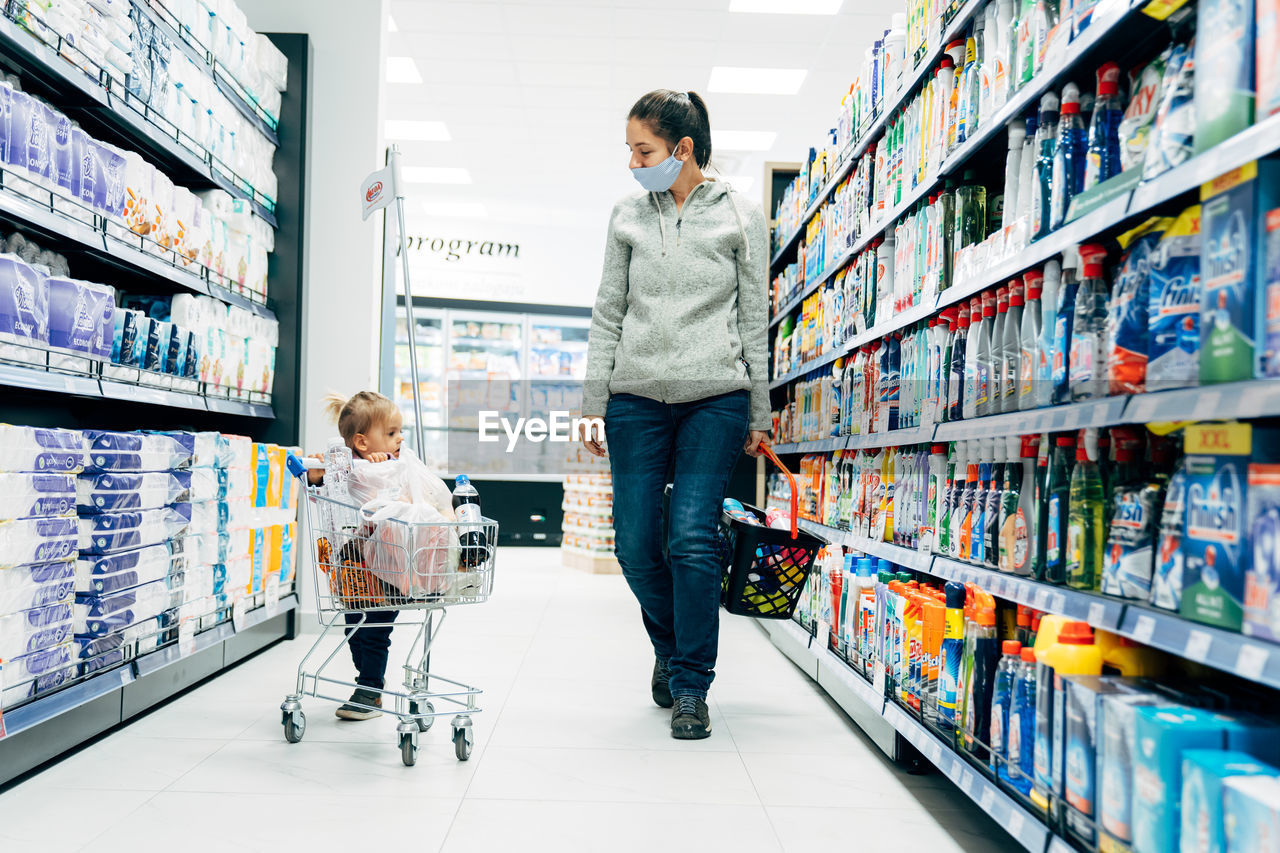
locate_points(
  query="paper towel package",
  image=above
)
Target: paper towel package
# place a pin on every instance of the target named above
(24, 677)
(24, 304)
(29, 587)
(99, 615)
(30, 631)
(36, 540)
(37, 495)
(97, 493)
(137, 451)
(81, 317)
(120, 531)
(126, 570)
(38, 450)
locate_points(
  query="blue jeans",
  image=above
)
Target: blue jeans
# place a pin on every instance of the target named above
(369, 636)
(695, 445)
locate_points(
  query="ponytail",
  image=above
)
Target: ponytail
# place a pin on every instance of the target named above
(674, 115)
(357, 415)
(334, 403)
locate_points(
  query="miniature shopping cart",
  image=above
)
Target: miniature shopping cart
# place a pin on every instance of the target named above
(362, 565)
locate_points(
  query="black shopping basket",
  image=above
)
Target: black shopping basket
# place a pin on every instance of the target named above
(764, 569)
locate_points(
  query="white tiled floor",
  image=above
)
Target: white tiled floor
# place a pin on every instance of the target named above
(570, 755)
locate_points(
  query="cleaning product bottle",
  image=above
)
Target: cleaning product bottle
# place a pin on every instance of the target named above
(1089, 329)
(995, 498)
(957, 375)
(935, 632)
(1009, 504)
(1024, 60)
(937, 482)
(946, 492)
(1001, 701)
(952, 647)
(1006, 12)
(1086, 527)
(1050, 627)
(1129, 658)
(978, 541)
(1074, 653)
(995, 403)
(1027, 173)
(1068, 157)
(1103, 160)
(1042, 183)
(970, 404)
(1043, 368)
(967, 501)
(1028, 338)
(1013, 170)
(1020, 767)
(1057, 507)
(984, 380)
(1011, 350)
(1063, 328)
(971, 212)
(1044, 25)
(959, 468)
(986, 657)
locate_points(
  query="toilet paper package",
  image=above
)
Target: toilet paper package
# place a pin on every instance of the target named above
(61, 153)
(36, 540)
(200, 483)
(206, 447)
(81, 317)
(99, 615)
(126, 350)
(97, 493)
(38, 672)
(36, 449)
(126, 570)
(24, 309)
(137, 452)
(121, 531)
(1204, 772)
(98, 653)
(24, 495)
(1251, 806)
(235, 483)
(40, 585)
(32, 630)
(204, 517)
(240, 453)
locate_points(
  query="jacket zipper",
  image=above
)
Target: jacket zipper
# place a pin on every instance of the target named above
(680, 212)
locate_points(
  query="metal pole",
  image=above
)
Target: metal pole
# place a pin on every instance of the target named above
(393, 159)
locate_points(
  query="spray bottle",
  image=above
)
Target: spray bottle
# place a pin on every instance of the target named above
(995, 389)
(1027, 171)
(952, 647)
(1012, 171)
(1057, 508)
(1020, 768)
(1029, 336)
(1103, 159)
(970, 395)
(1089, 330)
(1086, 525)
(995, 498)
(1011, 349)
(967, 509)
(957, 378)
(1001, 701)
(978, 542)
(985, 362)
(1048, 326)
(1042, 183)
(1068, 156)
(1064, 324)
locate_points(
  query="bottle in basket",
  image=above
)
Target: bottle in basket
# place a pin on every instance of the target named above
(337, 471)
(466, 505)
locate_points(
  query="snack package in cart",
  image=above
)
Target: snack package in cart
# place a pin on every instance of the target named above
(406, 545)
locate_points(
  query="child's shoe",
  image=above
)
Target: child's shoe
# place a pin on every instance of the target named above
(361, 706)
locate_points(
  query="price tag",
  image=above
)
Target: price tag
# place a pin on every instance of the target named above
(1145, 408)
(956, 770)
(1016, 822)
(240, 613)
(878, 678)
(1252, 661)
(1207, 405)
(935, 753)
(988, 800)
(1042, 599)
(965, 782)
(1197, 648)
(1058, 602)
(273, 596)
(187, 637)
(823, 637)
(1144, 629)
(1097, 611)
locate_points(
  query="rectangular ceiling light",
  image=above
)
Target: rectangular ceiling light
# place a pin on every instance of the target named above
(402, 69)
(787, 7)
(742, 140)
(434, 175)
(756, 81)
(416, 131)
(460, 209)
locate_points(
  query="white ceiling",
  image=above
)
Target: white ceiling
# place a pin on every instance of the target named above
(535, 93)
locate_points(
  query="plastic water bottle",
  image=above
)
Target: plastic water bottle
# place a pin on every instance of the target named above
(466, 505)
(337, 472)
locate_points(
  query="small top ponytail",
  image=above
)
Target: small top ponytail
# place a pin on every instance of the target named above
(357, 415)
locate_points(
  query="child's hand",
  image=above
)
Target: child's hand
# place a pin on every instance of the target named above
(315, 476)
(379, 457)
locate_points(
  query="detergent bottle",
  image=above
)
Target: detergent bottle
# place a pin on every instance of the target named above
(1001, 701)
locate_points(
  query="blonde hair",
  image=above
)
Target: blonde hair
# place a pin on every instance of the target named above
(357, 415)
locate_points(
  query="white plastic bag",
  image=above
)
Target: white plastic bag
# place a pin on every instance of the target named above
(405, 479)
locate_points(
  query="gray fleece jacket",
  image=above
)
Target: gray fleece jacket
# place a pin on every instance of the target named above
(682, 310)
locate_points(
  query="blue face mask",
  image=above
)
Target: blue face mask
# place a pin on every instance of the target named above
(659, 178)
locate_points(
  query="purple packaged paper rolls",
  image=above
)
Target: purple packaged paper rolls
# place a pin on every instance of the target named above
(62, 166)
(81, 317)
(24, 302)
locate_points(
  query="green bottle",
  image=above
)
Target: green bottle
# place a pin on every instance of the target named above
(1086, 524)
(1041, 497)
(1058, 491)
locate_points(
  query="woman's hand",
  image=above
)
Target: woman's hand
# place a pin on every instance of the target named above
(756, 438)
(593, 445)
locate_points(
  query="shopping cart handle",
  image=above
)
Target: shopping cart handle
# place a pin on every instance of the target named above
(299, 465)
(791, 480)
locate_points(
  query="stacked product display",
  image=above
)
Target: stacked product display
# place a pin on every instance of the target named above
(587, 541)
(116, 544)
(1022, 401)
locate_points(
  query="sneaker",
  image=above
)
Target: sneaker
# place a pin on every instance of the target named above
(690, 719)
(361, 706)
(661, 683)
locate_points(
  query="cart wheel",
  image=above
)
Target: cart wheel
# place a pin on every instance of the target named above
(462, 741)
(295, 725)
(408, 750)
(424, 723)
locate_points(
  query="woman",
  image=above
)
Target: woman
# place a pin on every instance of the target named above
(677, 366)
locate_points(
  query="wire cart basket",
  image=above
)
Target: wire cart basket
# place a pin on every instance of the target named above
(363, 566)
(764, 568)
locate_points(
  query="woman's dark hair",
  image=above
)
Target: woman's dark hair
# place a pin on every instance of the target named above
(675, 115)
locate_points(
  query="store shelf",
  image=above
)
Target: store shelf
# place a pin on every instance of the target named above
(900, 320)
(1107, 411)
(892, 438)
(1255, 398)
(1255, 660)
(1099, 611)
(841, 171)
(860, 700)
(826, 445)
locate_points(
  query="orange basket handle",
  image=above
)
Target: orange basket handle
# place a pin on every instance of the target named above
(791, 479)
